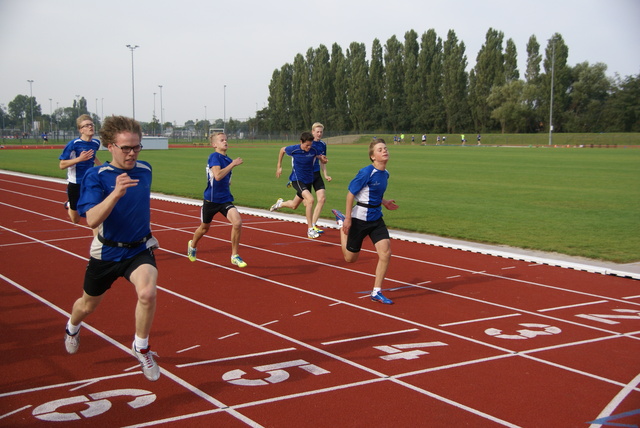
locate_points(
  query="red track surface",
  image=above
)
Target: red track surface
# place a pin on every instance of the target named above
(293, 340)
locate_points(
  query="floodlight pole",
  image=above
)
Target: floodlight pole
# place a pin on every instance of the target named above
(553, 64)
(224, 110)
(133, 92)
(31, 102)
(161, 111)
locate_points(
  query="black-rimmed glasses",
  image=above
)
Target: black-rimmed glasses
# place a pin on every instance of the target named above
(127, 149)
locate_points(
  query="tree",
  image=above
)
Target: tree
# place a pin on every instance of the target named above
(622, 110)
(454, 87)
(432, 117)
(509, 106)
(511, 72)
(488, 72)
(555, 61)
(358, 85)
(412, 84)
(394, 86)
(340, 117)
(588, 95)
(376, 80)
(320, 86)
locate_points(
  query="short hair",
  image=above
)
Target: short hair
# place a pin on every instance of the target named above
(215, 135)
(81, 119)
(306, 136)
(373, 144)
(316, 125)
(114, 125)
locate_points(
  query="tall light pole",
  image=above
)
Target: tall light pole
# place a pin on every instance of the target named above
(161, 111)
(133, 92)
(50, 115)
(224, 110)
(154, 113)
(31, 101)
(553, 64)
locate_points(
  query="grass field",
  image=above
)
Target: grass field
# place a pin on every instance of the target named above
(581, 202)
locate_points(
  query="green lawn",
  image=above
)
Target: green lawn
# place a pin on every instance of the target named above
(582, 202)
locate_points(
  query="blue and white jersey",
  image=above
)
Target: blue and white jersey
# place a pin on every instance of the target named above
(71, 151)
(130, 220)
(321, 148)
(301, 163)
(368, 187)
(218, 191)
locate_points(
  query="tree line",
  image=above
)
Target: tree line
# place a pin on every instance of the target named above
(422, 85)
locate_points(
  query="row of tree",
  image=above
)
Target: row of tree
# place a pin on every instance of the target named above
(422, 85)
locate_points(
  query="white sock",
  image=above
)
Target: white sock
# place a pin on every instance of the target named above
(141, 343)
(72, 329)
(375, 291)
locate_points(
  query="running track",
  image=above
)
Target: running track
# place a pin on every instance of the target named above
(293, 340)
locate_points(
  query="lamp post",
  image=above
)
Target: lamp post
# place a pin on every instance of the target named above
(133, 92)
(553, 64)
(224, 110)
(31, 102)
(161, 111)
(50, 115)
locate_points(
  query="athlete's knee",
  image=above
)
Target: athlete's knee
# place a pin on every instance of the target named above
(147, 294)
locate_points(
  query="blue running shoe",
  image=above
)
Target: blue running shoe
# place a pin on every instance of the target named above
(379, 297)
(289, 184)
(339, 217)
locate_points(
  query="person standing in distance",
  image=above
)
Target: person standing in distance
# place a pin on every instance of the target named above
(77, 157)
(218, 198)
(116, 200)
(365, 218)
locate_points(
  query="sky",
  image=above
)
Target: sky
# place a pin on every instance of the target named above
(215, 59)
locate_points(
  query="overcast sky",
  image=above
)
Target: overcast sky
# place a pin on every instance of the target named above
(194, 48)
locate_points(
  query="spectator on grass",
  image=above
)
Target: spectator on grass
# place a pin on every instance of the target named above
(303, 158)
(78, 156)
(365, 218)
(116, 200)
(218, 198)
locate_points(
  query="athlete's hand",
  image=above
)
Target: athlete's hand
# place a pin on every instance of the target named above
(86, 155)
(278, 172)
(390, 204)
(346, 225)
(123, 182)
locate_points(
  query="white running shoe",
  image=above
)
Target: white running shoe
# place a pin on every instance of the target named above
(147, 363)
(276, 206)
(312, 234)
(71, 341)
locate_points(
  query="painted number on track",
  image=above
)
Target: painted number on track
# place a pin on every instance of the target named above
(622, 314)
(96, 404)
(530, 331)
(398, 352)
(276, 373)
